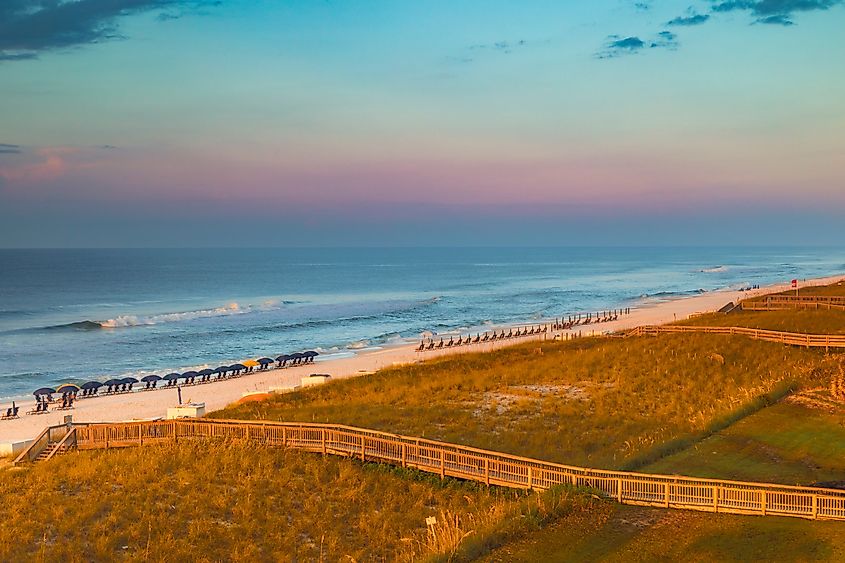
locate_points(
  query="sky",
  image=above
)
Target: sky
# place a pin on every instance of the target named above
(346, 123)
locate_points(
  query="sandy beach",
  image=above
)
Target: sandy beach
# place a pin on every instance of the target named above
(216, 395)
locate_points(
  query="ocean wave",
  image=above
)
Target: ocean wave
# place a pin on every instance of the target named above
(714, 270)
(128, 321)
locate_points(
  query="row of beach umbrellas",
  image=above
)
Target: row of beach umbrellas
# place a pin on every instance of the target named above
(126, 383)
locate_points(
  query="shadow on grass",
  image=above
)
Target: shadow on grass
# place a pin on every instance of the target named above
(718, 424)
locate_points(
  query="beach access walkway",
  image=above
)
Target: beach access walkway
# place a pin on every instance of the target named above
(453, 460)
(790, 338)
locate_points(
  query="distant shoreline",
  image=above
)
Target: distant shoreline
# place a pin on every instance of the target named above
(218, 395)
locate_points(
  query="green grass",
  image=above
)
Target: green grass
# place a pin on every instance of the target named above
(616, 533)
(212, 501)
(598, 402)
(836, 289)
(810, 321)
(787, 443)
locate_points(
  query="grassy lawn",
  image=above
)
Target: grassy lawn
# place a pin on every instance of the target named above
(810, 321)
(786, 443)
(598, 402)
(629, 533)
(205, 501)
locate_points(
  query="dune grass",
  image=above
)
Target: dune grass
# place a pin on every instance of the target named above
(808, 321)
(836, 289)
(786, 443)
(212, 501)
(618, 533)
(598, 402)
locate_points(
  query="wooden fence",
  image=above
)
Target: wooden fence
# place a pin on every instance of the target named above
(488, 467)
(792, 338)
(783, 302)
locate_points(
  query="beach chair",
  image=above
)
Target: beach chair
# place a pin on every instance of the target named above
(11, 412)
(450, 343)
(477, 338)
(440, 344)
(40, 408)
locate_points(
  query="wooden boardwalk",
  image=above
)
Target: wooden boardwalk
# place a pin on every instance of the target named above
(792, 338)
(463, 462)
(784, 302)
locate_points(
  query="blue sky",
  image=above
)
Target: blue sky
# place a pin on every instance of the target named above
(404, 123)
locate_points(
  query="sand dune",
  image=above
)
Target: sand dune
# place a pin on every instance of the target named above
(153, 404)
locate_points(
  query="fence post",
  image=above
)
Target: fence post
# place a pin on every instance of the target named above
(487, 471)
(363, 447)
(666, 502)
(323, 439)
(619, 490)
(763, 501)
(404, 454)
(442, 464)
(140, 438)
(284, 437)
(815, 507)
(530, 478)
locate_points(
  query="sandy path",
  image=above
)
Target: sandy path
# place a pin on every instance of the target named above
(153, 404)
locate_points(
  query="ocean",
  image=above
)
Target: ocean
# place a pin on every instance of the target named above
(76, 315)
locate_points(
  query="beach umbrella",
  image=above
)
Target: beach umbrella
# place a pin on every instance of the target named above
(265, 362)
(113, 382)
(295, 356)
(128, 380)
(171, 377)
(250, 363)
(67, 388)
(222, 370)
(311, 354)
(282, 359)
(189, 374)
(92, 385)
(44, 391)
(237, 367)
(205, 372)
(150, 378)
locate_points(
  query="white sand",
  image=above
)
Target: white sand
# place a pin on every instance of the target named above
(216, 395)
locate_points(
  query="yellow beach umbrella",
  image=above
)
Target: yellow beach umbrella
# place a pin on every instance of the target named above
(250, 363)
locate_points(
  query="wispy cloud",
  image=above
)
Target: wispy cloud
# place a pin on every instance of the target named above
(617, 46)
(30, 27)
(6, 148)
(776, 12)
(694, 19)
(506, 47)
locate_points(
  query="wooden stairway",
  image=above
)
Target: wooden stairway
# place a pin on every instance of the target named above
(52, 450)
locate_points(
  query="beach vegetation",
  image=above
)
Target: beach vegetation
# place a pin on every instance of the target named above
(207, 500)
(596, 402)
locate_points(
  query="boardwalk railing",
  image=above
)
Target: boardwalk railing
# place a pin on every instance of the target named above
(492, 468)
(783, 302)
(792, 338)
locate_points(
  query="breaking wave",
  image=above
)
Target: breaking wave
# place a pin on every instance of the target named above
(714, 270)
(126, 321)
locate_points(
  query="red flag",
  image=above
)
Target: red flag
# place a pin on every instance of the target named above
(794, 283)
